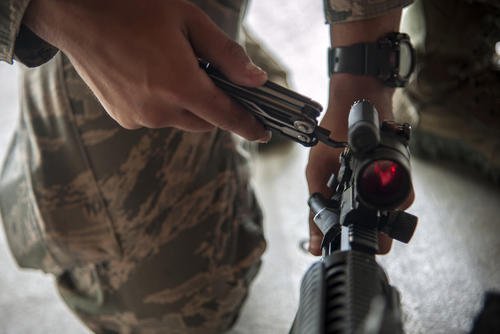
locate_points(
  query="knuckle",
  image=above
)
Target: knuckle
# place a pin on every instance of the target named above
(235, 122)
(214, 101)
(153, 119)
(204, 127)
(128, 125)
(187, 121)
(124, 122)
(176, 97)
(193, 11)
(213, 98)
(160, 91)
(232, 123)
(234, 50)
(253, 135)
(184, 93)
(194, 14)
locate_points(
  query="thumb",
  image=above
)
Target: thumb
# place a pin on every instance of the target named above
(211, 43)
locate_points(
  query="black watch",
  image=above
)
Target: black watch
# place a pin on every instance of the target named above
(391, 59)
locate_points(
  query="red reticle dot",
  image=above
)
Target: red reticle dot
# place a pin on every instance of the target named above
(382, 182)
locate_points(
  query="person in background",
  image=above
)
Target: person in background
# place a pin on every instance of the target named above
(452, 100)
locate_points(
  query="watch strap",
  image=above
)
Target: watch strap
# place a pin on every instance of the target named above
(360, 59)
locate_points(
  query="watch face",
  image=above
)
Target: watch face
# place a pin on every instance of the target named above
(405, 60)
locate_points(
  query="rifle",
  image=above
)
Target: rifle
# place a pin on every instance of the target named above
(347, 291)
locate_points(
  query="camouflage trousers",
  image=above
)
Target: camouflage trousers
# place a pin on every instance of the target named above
(452, 99)
(146, 231)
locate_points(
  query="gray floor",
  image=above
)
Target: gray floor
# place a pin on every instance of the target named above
(441, 274)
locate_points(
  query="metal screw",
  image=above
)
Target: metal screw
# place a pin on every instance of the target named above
(303, 126)
(303, 138)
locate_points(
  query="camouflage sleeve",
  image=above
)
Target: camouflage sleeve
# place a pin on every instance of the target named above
(31, 50)
(339, 11)
(11, 15)
(16, 40)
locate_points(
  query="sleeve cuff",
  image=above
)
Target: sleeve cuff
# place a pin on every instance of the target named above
(11, 16)
(340, 11)
(18, 40)
(31, 50)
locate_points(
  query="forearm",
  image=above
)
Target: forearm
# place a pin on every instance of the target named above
(346, 88)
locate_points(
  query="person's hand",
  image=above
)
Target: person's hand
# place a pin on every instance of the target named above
(140, 59)
(345, 89)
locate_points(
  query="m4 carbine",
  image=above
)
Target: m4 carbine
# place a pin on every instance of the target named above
(347, 291)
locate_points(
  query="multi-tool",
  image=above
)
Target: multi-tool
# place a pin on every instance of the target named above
(278, 108)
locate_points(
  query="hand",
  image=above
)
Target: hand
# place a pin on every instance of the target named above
(345, 89)
(140, 60)
(323, 160)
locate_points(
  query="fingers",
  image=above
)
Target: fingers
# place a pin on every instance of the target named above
(198, 94)
(157, 116)
(323, 161)
(384, 243)
(315, 237)
(215, 107)
(321, 164)
(190, 122)
(193, 102)
(181, 119)
(212, 44)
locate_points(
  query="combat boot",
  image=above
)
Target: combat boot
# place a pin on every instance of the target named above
(453, 98)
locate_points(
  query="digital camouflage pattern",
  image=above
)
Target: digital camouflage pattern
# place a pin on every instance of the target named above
(338, 11)
(11, 15)
(147, 231)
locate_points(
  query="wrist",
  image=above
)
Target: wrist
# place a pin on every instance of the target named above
(346, 88)
(40, 17)
(33, 17)
(60, 22)
(364, 31)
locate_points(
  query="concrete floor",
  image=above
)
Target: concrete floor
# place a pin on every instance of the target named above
(442, 273)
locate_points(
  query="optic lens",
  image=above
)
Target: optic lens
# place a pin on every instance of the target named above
(384, 184)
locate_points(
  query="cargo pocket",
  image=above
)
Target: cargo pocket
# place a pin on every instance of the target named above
(54, 215)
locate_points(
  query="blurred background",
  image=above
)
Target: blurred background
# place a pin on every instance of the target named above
(442, 274)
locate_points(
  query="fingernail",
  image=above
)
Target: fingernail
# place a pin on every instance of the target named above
(255, 70)
(267, 138)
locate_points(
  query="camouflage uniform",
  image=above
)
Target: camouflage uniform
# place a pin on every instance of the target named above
(453, 99)
(339, 11)
(153, 231)
(147, 231)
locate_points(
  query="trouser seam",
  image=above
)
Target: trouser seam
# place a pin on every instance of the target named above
(83, 153)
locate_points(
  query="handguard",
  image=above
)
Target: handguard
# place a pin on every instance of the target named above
(348, 292)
